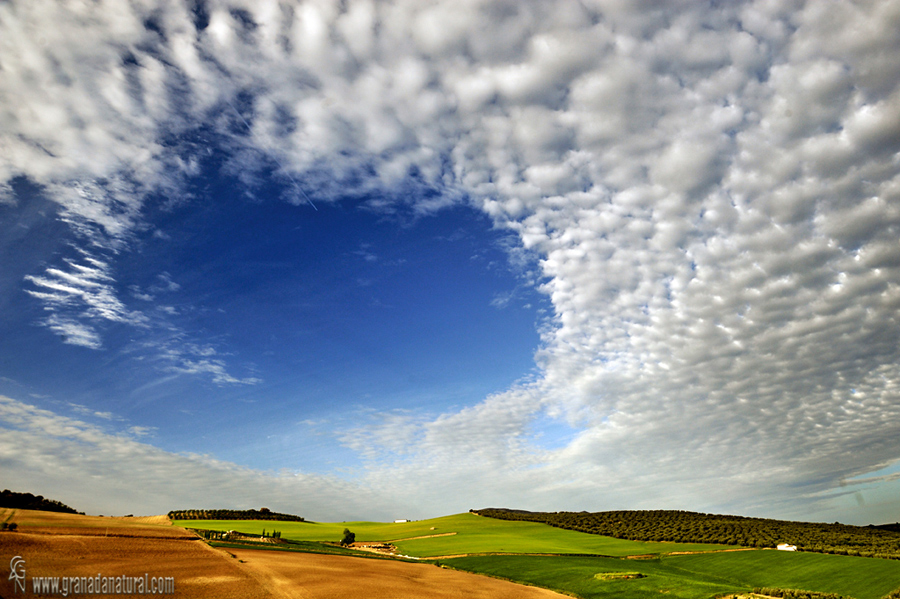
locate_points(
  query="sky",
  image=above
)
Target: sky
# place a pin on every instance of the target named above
(402, 259)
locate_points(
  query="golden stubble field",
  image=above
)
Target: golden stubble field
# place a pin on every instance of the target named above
(70, 545)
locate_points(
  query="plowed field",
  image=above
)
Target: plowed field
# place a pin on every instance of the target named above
(315, 576)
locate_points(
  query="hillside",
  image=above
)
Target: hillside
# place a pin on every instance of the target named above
(591, 566)
(454, 535)
(84, 545)
(692, 527)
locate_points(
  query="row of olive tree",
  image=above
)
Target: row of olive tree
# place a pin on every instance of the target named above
(693, 527)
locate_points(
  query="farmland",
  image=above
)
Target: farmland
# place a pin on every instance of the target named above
(458, 534)
(307, 562)
(863, 578)
(577, 576)
(692, 527)
(327, 576)
(55, 544)
(569, 561)
(695, 576)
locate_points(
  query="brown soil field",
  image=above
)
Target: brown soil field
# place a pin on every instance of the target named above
(199, 571)
(313, 576)
(37, 522)
(71, 545)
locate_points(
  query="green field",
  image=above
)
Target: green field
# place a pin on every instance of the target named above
(481, 535)
(703, 575)
(474, 534)
(695, 576)
(860, 577)
(576, 576)
(328, 531)
(298, 531)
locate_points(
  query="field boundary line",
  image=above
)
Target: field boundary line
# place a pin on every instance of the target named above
(718, 551)
(443, 534)
(488, 553)
(25, 531)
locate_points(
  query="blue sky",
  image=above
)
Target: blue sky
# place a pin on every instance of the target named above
(293, 322)
(377, 260)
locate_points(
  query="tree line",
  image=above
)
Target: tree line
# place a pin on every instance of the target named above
(692, 527)
(27, 501)
(260, 514)
(221, 535)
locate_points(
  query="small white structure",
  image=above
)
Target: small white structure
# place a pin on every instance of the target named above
(400, 521)
(786, 547)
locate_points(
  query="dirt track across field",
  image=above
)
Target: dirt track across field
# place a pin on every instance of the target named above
(71, 545)
(443, 534)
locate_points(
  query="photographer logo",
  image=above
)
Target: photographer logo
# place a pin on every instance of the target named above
(17, 573)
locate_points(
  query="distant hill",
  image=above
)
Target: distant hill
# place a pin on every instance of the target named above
(260, 514)
(691, 527)
(27, 501)
(892, 527)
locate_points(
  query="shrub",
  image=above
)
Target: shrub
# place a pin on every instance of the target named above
(349, 538)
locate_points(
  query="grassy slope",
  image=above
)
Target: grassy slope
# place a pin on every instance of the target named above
(693, 527)
(474, 535)
(321, 531)
(860, 577)
(697, 576)
(575, 575)
(482, 535)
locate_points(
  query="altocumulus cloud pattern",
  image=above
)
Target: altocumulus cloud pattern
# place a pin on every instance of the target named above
(711, 192)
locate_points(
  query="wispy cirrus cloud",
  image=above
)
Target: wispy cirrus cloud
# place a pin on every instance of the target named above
(214, 368)
(79, 298)
(86, 411)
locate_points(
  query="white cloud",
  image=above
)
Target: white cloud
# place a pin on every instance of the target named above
(79, 298)
(72, 332)
(214, 368)
(142, 431)
(100, 472)
(85, 411)
(179, 356)
(711, 193)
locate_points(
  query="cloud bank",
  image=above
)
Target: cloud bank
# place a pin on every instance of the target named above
(112, 472)
(711, 192)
